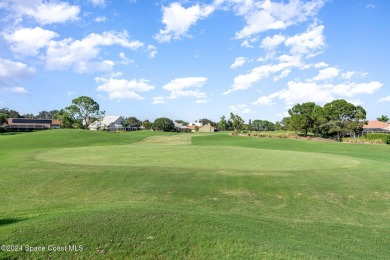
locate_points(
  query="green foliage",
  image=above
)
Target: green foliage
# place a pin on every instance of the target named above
(222, 124)
(262, 125)
(183, 123)
(236, 122)
(147, 124)
(53, 114)
(67, 116)
(3, 119)
(28, 116)
(163, 124)
(205, 121)
(284, 124)
(378, 136)
(343, 117)
(47, 114)
(336, 118)
(10, 113)
(383, 118)
(306, 118)
(86, 109)
(132, 121)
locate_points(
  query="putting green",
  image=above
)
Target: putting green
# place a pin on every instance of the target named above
(216, 159)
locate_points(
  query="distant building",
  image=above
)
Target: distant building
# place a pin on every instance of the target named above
(376, 127)
(180, 127)
(207, 128)
(30, 124)
(107, 123)
(198, 124)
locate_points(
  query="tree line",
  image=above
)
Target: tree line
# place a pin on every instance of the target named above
(338, 118)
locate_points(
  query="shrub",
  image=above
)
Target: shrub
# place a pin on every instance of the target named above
(234, 133)
(354, 140)
(378, 136)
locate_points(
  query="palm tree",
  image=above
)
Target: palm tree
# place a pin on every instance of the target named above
(383, 118)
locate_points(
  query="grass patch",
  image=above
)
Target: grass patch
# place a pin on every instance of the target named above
(151, 195)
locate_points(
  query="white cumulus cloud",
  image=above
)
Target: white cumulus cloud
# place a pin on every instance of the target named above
(14, 70)
(352, 89)
(186, 87)
(307, 42)
(17, 90)
(98, 2)
(43, 12)
(299, 92)
(82, 55)
(238, 62)
(178, 20)
(101, 19)
(159, 100)
(327, 73)
(122, 88)
(28, 41)
(11, 72)
(385, 99)
(271, 43)
(246, 81)
(267, 15)
(241, 108)
(151, 50)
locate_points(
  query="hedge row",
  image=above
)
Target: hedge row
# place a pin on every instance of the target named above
(375, 136)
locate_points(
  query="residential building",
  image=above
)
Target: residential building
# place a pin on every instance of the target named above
(107, 122)
(376, 126)
(180, 127)
(31, 124)
(207, 128)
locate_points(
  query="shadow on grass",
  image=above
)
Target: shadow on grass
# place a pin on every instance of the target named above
(11, 133)
(7, 221)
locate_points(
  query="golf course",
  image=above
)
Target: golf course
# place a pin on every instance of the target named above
(78, 194)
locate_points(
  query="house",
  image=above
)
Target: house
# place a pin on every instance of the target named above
(194, 126)
(180, 127)
(376, 127)
(198, 124)
(31, 124)
(107, 122)
(207, 128)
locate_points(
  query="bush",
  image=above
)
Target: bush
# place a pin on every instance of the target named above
(354, 140)
(234, 133)
(378, 136)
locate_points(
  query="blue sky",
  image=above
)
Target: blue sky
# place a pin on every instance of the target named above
(194, 59)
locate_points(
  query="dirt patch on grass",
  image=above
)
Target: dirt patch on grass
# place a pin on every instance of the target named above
(169, 140)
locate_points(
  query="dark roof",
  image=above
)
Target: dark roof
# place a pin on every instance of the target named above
(375, 130)
(30, 121)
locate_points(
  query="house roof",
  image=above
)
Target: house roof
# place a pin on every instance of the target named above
(107, 120)
(375, 130)
(179, 125)
(199, 124)
(377, 124)
(31, 121)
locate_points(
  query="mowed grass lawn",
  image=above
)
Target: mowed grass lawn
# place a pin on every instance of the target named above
(153, 195)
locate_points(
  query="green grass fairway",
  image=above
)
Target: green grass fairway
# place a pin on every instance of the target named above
(147, 195)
